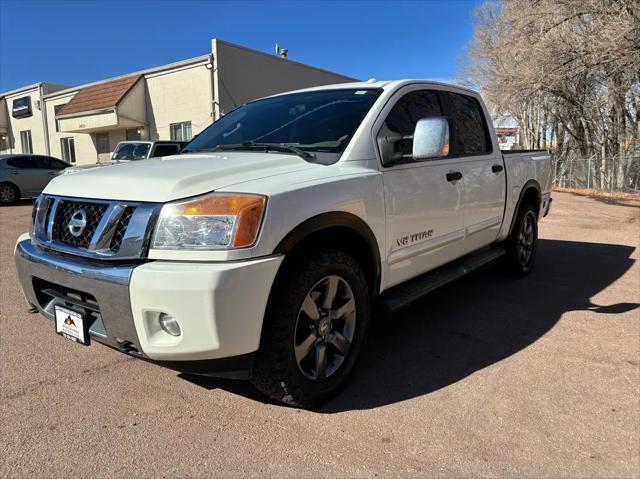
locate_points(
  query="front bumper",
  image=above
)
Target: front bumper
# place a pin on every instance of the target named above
(219, 306)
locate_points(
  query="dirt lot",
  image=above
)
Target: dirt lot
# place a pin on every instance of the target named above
(486, 377)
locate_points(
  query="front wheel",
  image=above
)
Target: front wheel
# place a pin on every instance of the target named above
(522, 243)
(315, 326)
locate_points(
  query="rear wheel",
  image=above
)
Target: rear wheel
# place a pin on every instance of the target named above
(522, 243)
(8, 194)
(314, 329)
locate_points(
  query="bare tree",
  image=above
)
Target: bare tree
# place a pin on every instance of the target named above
(567, 70)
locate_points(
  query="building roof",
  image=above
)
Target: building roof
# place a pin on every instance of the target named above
(169, 66)
(47, 87)
(101, 96)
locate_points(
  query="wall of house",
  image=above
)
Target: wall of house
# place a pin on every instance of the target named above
(178, 95)
(243, 75)
(133, 109)
(4, 126)
(84, 143)
(33, 123)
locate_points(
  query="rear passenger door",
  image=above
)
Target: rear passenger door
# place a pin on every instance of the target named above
(46, 172)
(482, 169)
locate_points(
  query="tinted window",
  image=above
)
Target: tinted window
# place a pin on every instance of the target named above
(43, 162)
(49, 163)
(319, 121)
(23, 162)
(131, 151)
(166, 150)
(405, 114)
(468, 132)
(58, 165)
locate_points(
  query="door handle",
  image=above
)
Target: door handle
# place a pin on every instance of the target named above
(496, 168)
(15, 172)
(454, 176)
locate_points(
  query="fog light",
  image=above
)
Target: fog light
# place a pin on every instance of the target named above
(169, 324)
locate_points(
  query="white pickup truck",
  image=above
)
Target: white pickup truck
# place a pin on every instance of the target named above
(260, 250)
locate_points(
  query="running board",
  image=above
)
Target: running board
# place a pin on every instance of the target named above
(404, 294)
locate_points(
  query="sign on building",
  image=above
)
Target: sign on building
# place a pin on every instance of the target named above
(21, 107)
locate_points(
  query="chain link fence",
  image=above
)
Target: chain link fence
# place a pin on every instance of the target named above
(612, 175)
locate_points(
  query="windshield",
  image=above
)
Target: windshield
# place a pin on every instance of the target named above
(318, 121)
(131, 151)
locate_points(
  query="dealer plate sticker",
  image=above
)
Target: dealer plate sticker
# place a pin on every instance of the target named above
(70, 325)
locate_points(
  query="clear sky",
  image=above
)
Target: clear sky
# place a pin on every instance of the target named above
(76, 42)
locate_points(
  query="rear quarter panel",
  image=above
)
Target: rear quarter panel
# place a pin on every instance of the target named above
(522, 168)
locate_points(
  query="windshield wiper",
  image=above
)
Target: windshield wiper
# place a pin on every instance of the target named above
(250, 145)
(201, 150)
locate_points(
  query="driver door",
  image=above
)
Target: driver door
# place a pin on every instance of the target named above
(424, 202)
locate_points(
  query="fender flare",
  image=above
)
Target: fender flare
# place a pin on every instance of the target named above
(531, 184)
(333, 219)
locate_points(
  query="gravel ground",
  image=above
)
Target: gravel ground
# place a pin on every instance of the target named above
(485, 377)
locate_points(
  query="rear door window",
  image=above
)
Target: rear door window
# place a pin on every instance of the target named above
(58, 165)
(468, 130)
(166, 150)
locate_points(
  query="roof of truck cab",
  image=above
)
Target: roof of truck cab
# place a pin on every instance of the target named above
(384, 84)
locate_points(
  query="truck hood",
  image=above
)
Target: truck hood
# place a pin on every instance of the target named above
(175, 177)
(76, 169)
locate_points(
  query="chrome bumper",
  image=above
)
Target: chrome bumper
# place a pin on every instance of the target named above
(99, 290)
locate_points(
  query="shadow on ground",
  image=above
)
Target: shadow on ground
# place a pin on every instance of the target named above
(471, 324)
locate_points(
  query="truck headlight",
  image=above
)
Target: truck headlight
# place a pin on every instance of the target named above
(213, 221)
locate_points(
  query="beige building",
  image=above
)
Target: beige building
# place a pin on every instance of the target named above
(22, 121)
(173, 102)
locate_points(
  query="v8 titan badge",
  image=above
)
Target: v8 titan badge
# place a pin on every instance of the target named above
(70, 325)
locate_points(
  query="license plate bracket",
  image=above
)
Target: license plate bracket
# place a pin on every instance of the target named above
(72, 325)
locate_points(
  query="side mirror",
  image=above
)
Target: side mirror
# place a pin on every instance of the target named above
(431, 138)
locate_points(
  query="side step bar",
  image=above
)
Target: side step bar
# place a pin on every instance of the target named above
(404, 294)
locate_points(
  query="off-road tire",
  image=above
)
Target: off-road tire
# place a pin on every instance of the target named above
(275, 371)
(512, 263)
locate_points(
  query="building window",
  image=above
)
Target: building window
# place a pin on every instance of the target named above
(25, 141)
(68, 150)
(56, 110)
(4, 142)
(181, 131)
(133, 134)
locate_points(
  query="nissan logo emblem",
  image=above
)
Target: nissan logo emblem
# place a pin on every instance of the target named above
(78, 222)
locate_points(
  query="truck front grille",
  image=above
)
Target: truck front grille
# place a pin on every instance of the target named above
(93, 213)
(95, 229)
(121, 229)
